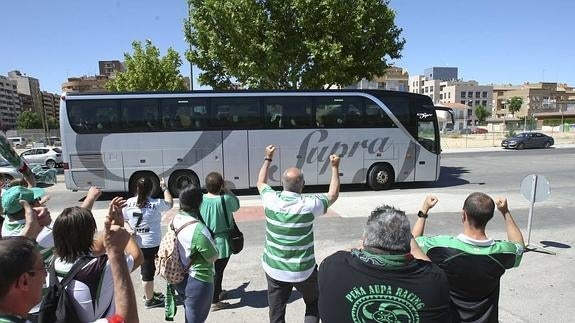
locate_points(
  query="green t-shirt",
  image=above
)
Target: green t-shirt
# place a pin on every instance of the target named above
(212, 212)
(195, 241)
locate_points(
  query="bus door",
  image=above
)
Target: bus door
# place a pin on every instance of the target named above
(427, 152)
(235, 155)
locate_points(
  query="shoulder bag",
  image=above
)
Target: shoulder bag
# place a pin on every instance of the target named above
(236, 236)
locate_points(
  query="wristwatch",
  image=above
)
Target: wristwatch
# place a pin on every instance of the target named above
(421, 214)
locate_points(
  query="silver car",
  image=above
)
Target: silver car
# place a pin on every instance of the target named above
(49, 156)
(8, 172)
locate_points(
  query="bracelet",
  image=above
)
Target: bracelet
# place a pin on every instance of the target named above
(268, 159)
(164, 189)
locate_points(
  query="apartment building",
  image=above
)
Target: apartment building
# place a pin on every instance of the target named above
(29, 89)
(10, 105)
(109, 68)
(394, 79)
(96, 83)
(51, 104)
(545, 98)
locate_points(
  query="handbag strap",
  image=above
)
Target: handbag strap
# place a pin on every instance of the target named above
(225, 212)
(178, 231)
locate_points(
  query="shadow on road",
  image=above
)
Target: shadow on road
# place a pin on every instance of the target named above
(256, 299)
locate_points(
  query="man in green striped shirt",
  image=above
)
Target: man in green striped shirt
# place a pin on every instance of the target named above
(288, 258)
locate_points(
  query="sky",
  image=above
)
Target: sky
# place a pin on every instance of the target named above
(490, 41)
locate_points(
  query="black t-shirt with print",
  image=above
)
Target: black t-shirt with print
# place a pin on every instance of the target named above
(361, 287)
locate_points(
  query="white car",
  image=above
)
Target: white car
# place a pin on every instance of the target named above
(8, 172)
(49, 156)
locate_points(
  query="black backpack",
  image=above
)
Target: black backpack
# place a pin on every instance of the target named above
(58, 306)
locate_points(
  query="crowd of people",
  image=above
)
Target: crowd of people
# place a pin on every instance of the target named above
(397, 275)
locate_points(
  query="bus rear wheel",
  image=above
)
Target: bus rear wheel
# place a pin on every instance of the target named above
(380, 177)
(153, 178)
(181, 179)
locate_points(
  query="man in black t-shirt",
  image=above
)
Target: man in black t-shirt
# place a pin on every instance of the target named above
(473, 262)
(383, 282)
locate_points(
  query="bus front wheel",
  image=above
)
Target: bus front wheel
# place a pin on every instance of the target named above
(181, 179)
(380, 177)
(151, 176)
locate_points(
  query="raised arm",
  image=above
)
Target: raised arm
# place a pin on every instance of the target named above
(263, 174)
(513, 232)
(116, 239)
(167, 195)
(333, 192)
(419, 225)
(93, 194)
(36, 219)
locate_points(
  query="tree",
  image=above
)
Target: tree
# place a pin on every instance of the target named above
(29, 120)
(514, 104)
(482, 113)
(147, 71)
(274, 44)
(53, 123)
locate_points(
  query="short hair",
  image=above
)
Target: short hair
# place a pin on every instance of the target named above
(479, 208)
(293, 183)
(17, 256)
(190, 198)
(388, 230)
(143, 190)
(73, 233)
(214, 182)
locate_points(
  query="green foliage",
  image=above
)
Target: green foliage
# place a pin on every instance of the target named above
(510, 131)
(557, 122)
(482, 113)
(147, 71)
(276, 44)
(514, 104)
(29, 120)
(529, 124)
(53, 123)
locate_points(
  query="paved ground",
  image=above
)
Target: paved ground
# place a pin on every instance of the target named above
(540, 290)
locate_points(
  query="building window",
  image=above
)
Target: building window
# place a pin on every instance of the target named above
(477, 95)
(484, 94)
(484, 103)
(449, 95)
(426, 89)
(431, 88)
(476, 102)
(469, 94)
(462, 101)
(463, 94)
(441, 96)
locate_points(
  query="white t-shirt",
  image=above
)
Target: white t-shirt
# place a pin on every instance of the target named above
(93, 287)
(149, 231)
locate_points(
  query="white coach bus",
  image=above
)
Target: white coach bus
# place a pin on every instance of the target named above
(111, 139)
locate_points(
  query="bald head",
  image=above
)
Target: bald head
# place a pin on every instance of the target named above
(293, 180)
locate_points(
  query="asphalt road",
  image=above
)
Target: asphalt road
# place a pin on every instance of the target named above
(540, 290)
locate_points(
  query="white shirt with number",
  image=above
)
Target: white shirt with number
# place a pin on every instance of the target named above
(149, 231)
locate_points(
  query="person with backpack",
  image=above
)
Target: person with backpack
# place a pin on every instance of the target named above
(92, 287)
(143, 216)
(216, 210)
(198, 253)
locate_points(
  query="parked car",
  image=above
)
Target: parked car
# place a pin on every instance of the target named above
(18, 142)
(479, 131)
(8, 172)
(528, 140)
(49, 156)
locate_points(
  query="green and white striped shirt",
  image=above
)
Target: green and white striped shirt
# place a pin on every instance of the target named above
(289, 247)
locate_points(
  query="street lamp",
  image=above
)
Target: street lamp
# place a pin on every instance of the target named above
(190, 31)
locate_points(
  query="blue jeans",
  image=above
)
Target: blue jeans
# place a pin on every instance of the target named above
(197, 298)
